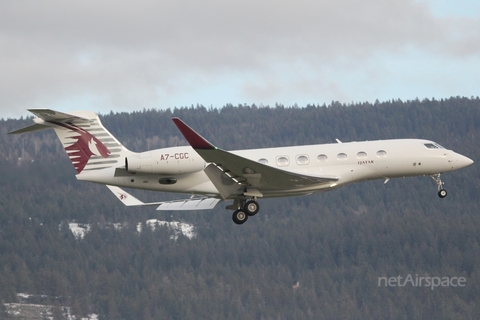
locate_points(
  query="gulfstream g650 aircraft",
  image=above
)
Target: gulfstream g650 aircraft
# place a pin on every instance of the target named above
(213, 175)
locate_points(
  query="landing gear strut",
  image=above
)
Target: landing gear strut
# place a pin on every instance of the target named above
(244, 209)
(442, 193)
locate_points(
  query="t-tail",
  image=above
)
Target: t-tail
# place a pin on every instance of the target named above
(88, 144)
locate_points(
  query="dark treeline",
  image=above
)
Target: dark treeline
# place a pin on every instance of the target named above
(336, 245)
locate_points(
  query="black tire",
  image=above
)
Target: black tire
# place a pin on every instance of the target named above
(239, 217)
(251, 208)
(442, 193)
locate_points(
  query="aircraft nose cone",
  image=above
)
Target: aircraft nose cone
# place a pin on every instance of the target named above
(464, 161)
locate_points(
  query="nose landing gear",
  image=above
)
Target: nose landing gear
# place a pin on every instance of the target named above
(442, 193)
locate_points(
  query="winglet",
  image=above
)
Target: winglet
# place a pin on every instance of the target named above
(193, 138)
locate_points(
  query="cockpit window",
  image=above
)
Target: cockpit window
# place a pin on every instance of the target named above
(433, 146)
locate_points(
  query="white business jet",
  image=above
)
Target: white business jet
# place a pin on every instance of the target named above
(212, 175)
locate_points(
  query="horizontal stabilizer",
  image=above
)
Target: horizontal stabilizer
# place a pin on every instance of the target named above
(190, 204)
(202, 203)
(127, 199)
(52, 115)
(47, 117)
(32, 128)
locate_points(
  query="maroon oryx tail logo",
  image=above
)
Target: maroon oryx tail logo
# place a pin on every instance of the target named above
(86, 146)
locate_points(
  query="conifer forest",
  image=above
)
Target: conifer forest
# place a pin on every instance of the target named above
(320, 256)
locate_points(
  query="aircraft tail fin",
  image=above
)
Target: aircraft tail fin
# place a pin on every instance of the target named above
(87, 142)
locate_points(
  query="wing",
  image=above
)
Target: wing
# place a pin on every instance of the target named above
(254, 177)
(200, 203)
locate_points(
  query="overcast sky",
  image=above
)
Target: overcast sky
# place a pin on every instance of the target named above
(129, 55)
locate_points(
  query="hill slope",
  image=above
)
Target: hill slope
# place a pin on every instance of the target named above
(335, 245)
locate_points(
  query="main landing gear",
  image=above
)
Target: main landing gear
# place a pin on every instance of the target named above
(244, 210)
(442, 193)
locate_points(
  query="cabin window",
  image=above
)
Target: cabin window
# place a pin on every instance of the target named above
(302, 159)
(263, 161)
(381, 153)
(361, 155)
(341, 156)
(283, 161)
(322, 157)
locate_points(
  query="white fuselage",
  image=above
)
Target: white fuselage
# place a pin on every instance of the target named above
(349, 162)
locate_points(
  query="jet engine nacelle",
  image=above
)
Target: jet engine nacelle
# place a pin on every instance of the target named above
(175, 160)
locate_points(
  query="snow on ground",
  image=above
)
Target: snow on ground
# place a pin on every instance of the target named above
(24, 295)
(39, 311)
(35, 311)
(178, 227)
(79, 230)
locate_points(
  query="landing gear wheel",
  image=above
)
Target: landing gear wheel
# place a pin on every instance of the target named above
(239, 217)
(251, 208)
(442, 193)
